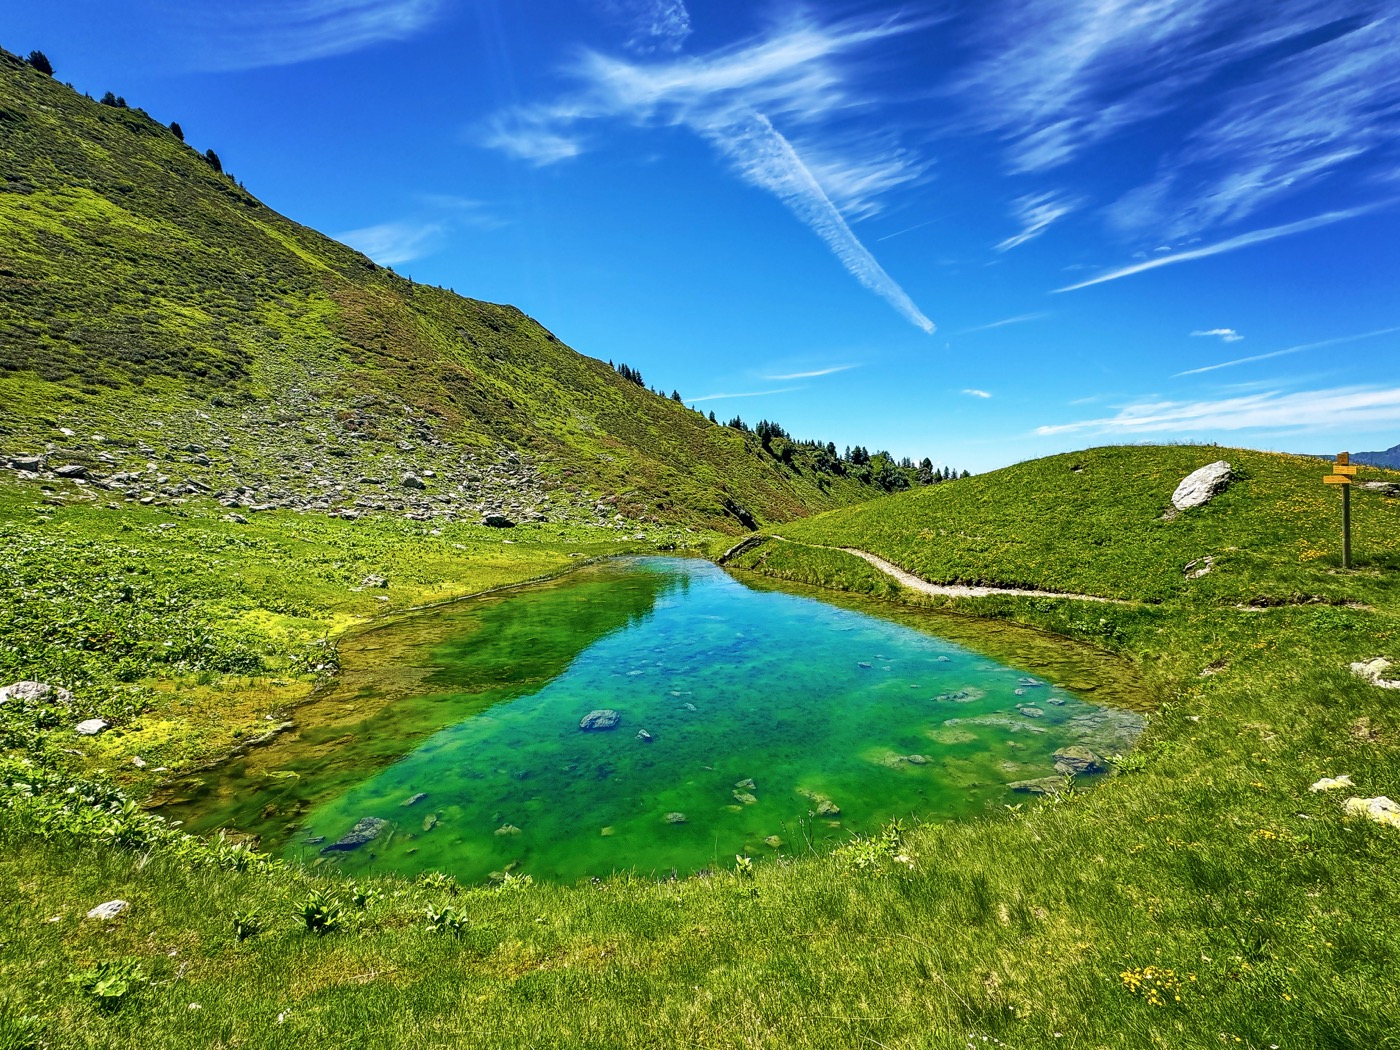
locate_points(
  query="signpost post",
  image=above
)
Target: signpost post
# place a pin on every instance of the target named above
(1342, 473)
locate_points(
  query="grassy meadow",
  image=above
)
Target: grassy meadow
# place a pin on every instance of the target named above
(1201, 896)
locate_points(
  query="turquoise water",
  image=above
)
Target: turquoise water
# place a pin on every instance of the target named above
(749, 721)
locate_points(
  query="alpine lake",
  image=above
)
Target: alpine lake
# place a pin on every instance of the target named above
(659, 716)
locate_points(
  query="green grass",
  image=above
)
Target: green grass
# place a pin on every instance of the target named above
(1201, 896)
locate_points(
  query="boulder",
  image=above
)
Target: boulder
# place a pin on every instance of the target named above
(497, 521)
(366, 829)
(1201, 486)
(1194, 570)
(108, 910)
(1374, 672)
(413, 481)
(91, 727)
(1039, 786)
(644, 736)
(1380, 809)
(598, 721)
(374, 581)
(1078, 760)
(1332, 783)
(72, 470)
(33, 464)
(31, 692)
(1385, 488)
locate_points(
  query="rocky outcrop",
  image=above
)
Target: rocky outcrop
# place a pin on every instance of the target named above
(1201, 486)
(1079, 761)
(35, 692)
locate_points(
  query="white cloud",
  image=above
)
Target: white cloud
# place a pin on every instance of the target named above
(731, 98)
(1035, 213)
(1227, 335)
(394, 243)
(1278, 96)
(751, 393)
(259, 33)
(976, 393)
(1244, 240)
(1339, 407)
(813, 375)
(1289, 350)
(1018, 319)
(655, 25)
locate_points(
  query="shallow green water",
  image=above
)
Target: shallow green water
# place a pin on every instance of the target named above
(765, 710)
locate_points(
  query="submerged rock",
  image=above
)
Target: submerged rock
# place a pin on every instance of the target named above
(598, 721)
(821, 805)
(676, 818)
(506, 830)
(1039, 786)
(366, 829)
(745, 798)
(773, 842)
(430, 822)
(1078, 760)
(413, 800)
(1201, 486)
(746, 784)
(644, 736)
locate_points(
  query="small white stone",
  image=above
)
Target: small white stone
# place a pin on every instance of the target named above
(91, 727)
(1332, 783)
(109, 910)
(1380, 809)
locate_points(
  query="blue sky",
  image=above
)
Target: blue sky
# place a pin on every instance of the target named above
(977, 231)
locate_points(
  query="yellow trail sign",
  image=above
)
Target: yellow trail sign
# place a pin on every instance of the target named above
(1351, 471)
(1336, 479)
(1343, 458)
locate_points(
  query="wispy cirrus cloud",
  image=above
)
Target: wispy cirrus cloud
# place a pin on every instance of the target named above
(1004, 322)
(971, 392)
(733, 98)
(394, 243)
(814, 374)
(750, 393)
(654, 25)
(1244, 240)
(1227, 335)
(1338, 407)
(258, 33)
(1265, 100)
(1340, 340)
(1035, 213)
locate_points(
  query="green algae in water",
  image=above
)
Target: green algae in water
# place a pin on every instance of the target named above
(749, 721)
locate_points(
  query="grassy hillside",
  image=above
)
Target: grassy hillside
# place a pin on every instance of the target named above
(1096, 522)
(1202, 895)
(163, 328)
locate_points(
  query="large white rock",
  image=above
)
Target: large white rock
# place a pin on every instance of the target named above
(1380, 809)
(34, 691)
(1374, 672)
(90, 727)
(1201, 486)
(1332, 783)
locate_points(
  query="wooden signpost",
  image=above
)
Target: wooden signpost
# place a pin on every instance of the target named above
(1342, 473)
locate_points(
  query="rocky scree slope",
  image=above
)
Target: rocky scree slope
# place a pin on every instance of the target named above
(164, 334)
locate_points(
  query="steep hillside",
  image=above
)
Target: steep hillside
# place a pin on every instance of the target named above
(164, 330)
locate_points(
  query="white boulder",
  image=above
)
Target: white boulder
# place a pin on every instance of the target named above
(33, 691)
(1332, 783)
(90, 727)
(1380, 809)
(108, 910)
(1374, 672)
(1201, 486)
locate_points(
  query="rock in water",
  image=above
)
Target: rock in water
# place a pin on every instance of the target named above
(413, 800)
(1078, 760)
(597, 721)
(747, 784)
(675, 818)
(644, 736)
(1039, 786)
(366, 829)
(506, 831)
(1201, 486)
(109, 910)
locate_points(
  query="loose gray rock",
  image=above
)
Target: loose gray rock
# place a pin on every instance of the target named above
(108, 910)
(497, 521)
(31, 692)
(1385, 488)
(32, 464)
(413, 481)
(374, 581)
(91, 727)
(1078, 760)
(366, 829)
(72, 470)
(598, 721)
(1039, 786)
(1196, 569)
(1201, 486)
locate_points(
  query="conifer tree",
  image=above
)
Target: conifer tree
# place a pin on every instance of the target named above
(40, 61)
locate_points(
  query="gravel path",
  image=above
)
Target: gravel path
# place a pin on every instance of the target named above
(958, 590)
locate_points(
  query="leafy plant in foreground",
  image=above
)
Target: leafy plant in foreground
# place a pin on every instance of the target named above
(446, 920)
(321, 913)
(108, 982)
(246, 924)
